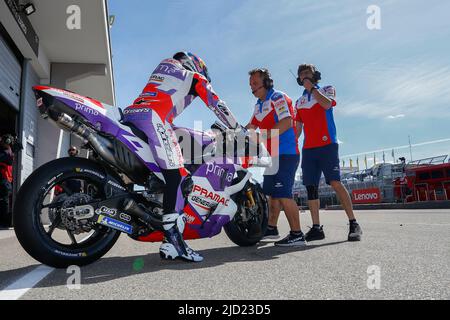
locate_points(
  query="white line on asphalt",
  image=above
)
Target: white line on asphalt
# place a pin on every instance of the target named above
(28, 281)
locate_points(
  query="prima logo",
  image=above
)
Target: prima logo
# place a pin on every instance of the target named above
(84, 109)
(219, 171)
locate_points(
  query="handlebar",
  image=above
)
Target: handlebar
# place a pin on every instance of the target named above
(223, 129)
(230, 136)
(219, 126)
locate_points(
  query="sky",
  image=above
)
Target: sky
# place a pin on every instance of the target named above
(392, 84)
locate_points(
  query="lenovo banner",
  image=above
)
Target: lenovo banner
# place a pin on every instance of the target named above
(371, 195)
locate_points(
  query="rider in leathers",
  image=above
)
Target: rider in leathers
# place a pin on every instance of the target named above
(172, 86)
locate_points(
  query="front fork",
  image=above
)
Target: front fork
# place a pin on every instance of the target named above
(251, 200)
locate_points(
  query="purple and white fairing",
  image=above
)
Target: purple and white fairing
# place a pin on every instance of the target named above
(106, 118)
(213, 178)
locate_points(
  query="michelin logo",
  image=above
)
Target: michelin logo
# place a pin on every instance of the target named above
(115, 224)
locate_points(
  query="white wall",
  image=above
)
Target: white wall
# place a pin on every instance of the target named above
(30, 126)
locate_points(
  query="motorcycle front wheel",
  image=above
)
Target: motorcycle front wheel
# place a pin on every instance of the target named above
(249, 224)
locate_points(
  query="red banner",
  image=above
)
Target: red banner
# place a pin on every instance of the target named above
(371, 195)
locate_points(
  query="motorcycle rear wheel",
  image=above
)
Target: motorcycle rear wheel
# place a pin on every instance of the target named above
(37, 238)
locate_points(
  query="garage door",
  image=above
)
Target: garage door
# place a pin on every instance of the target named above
(10, 72)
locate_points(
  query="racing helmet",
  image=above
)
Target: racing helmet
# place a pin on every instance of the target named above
(193, 63)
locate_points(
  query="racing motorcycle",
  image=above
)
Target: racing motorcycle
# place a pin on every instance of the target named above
(119, 187)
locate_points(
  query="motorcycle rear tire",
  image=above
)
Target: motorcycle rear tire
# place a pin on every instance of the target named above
(32, 235)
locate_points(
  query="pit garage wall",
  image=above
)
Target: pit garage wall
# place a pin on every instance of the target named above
(28, 125)
(10, 73)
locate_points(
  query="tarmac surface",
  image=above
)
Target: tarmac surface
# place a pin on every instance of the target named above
(404, 254)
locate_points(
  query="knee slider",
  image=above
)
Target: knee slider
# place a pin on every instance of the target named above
(313, 192)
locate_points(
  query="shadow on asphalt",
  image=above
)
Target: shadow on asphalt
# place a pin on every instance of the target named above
(111, 268)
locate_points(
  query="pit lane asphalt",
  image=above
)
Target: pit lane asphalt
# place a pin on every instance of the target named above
(411, 248)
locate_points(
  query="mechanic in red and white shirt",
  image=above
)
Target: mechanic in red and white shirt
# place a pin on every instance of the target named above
(273, 115)
(314, 114)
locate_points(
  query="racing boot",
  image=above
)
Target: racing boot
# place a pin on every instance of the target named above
(173, 245)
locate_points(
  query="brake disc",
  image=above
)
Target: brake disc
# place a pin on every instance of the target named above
(68, 213)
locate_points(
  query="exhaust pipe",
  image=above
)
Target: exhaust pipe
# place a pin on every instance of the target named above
(130, 206)
(102, 145)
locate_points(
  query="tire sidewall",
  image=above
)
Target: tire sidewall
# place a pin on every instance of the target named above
(234, 232)
(26, 222)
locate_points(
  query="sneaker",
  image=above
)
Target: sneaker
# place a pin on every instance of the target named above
(292, 240)
(355, 232)
(271, 233)
(315, 234)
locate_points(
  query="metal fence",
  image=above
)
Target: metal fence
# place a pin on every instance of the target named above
(380, 176)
